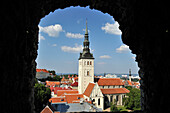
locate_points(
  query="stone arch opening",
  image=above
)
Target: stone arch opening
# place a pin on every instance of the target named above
(139, 22)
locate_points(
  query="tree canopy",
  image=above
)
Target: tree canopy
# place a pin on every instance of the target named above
(41, 96)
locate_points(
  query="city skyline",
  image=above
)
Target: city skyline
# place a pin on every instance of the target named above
(61, 41)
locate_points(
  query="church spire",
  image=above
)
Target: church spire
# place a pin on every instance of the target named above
(86, 33)
(86, 51)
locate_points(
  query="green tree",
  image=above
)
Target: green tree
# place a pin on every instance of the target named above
(52, 71)
(133, 99)
(113, 108)
(41, 96)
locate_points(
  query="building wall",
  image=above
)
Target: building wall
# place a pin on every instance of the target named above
(40, 75)
(84, 78)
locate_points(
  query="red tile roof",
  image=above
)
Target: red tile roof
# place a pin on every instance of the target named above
(62, 92)
(46, 110)
(69, 98)
(59, 99)
(42, 70)
(74, 84)
(55, 89)
(109, 81)
(89, 89)
(115, 91)
(52, 83)
(73, 98)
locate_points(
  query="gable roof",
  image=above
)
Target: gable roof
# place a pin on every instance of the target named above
(109, 81)
(47, 110)
(115, 91)
(89, 89)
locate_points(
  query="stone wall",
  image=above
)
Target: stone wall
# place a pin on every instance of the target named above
(145, 28)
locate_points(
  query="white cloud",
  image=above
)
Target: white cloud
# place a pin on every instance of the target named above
(105, 57)
(76, 49)
(112, 28)
(122, 49)
(40, 37)
(54, 45)
(101, 63)
(72, 35)
(52, 30)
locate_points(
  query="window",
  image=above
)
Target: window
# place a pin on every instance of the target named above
(62, 99)
(90, 62)
(87, 62)
(88, 73)
(78, 97)
(99, 101)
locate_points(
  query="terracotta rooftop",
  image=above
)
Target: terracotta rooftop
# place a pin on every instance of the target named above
(63, 92)
(115, 91)
(74, 84)
(55, 89)
(89, 89)
(73, 98)
(52, 83)
(42, 70)
(46, 110)
(109, 81)
(59, 99)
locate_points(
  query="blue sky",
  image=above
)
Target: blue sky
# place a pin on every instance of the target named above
(61, 38)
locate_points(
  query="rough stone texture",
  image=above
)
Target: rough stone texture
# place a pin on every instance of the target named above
(145, 26)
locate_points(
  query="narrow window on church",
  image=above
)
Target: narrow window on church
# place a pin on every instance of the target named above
(87, 72)
(87, 62)
(99, 101)
(90, 63)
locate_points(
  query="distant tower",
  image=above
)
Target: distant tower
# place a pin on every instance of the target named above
(130, 76)
(86, 65)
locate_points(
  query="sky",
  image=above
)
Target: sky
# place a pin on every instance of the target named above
(61, 36)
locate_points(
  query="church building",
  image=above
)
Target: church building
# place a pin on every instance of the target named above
(103, 92)
(86, 65)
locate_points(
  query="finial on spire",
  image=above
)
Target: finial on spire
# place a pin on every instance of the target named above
(86, 28)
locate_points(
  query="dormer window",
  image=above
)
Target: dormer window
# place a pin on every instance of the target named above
(62, 99)
(78, 97)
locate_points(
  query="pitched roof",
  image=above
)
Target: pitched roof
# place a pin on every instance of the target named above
(59, 99)
(74, 84)
(89, 89)
(42, 70)
(109, 81)
(55, 89)
(46, 110)
(52, 83)
(62, 92)
(115, 91)
(73, 98)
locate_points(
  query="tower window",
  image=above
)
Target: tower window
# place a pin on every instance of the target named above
(87, 62)
(90, 62)
(99, 101)
(87, 72)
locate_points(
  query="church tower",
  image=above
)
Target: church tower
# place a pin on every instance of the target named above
(86, 65)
